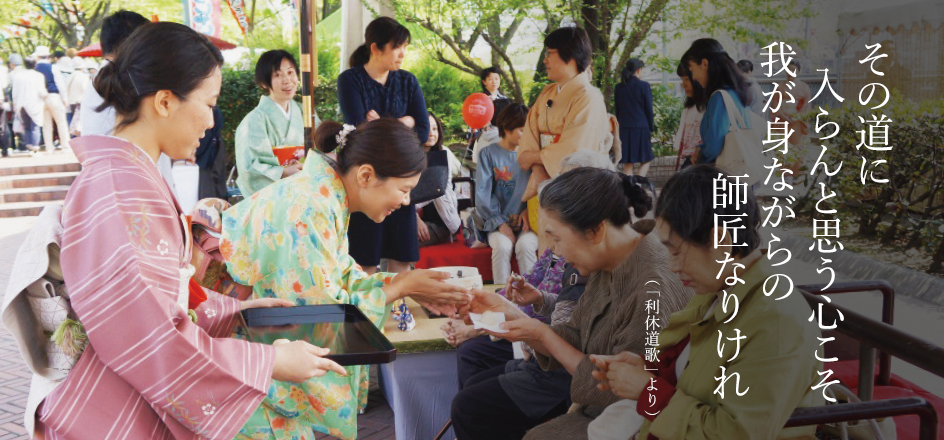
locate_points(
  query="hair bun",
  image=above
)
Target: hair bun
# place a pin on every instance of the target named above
(326, 136)
(639, 200)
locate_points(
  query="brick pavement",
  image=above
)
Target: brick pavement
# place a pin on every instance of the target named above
(376, 424)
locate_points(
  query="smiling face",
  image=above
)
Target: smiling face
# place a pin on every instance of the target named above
(284, 83)
(380, 197)
(433, 133)
(697, 266)
(699, 71)
(491, 82)
(185, 121)
(390, 58)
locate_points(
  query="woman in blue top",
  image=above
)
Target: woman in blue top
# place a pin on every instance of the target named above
(715, 71)
(633, 105)
(375, 87)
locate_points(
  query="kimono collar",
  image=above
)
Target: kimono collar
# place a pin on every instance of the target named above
(580, 81)
(95, 148)
(271, 106)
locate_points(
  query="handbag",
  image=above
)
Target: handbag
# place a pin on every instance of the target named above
(433, 181)
(742, 153)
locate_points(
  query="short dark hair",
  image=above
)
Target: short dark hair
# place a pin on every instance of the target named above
(58, 54)
(511, 118)
(157, 56)
(269, 63)
(499, 105)
(382, 31)
(439, 127)
(387, 144)
(117, 27)
(613, 194)
(571, 43)
(484, 75)
(794, 62)
(29, 63)
(722, 71)
(687, 206)
(746, 66)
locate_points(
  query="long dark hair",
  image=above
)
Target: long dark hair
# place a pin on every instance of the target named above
(699, 99)
(723, 73)
(381, 31)
(687, 205)
(439, 128)
(386, 144)
(156, 56)
(613, 194)
(629, 70)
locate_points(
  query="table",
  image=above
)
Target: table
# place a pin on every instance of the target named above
(421, 383)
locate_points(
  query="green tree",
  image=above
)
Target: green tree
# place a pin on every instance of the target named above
(64, 24)
(618, 29)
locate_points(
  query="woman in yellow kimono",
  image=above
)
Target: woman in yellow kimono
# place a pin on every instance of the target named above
(568, 115)
(275, 122)
(289, 241)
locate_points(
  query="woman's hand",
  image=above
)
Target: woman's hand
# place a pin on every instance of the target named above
(526, 329)
(623, 374)
(299, 361)
(490, 302)
(290, 168)
(422, 231)
(260, 303)
(372, 115)
(525, 295)
(408, 121)
(426, 286)
(525, 223)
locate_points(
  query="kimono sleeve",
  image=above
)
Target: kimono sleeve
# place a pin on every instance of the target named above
(123, 270)
(585, 127)
(256, 163)
(531, 138)
(329, 253)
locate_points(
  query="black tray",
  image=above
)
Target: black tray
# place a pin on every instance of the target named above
(343, 328)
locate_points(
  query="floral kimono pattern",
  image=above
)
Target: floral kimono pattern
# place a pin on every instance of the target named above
(289, 241)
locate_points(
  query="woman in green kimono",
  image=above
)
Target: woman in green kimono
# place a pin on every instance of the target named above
(290, 241)
(275, 122)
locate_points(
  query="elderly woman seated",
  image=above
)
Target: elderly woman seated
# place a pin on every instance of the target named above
(776, 363)
(549, 292)
(619, 258)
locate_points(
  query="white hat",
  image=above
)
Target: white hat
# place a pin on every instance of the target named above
(41, 52)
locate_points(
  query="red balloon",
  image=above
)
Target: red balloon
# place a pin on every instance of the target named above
(477, 110)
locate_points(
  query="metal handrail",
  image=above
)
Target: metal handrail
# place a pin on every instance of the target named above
(883, 337)
(870, 410)
(866, 352)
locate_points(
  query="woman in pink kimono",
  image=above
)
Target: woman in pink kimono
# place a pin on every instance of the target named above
(149, 371)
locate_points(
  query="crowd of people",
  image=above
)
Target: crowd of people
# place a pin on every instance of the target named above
(41, 96)
(589, 240)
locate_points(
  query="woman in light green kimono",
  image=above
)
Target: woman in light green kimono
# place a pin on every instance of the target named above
(290, 241)
(275, 122)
